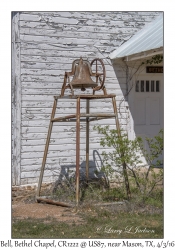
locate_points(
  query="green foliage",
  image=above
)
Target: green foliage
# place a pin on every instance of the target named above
(125, 160)
(155, 199)
(154, 157)
(154, 60)
(155, 150)
(125, 150)
(114, 194)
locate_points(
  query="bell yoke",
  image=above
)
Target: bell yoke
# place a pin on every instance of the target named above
(82, 72)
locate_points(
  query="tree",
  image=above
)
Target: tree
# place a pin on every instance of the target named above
(124, 162)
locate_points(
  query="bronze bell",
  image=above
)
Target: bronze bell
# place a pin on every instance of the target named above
(82, 75)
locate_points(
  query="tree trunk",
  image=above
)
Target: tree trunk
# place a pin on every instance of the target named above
(128, 191)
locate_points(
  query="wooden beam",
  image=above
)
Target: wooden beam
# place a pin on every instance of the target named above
(16, 101)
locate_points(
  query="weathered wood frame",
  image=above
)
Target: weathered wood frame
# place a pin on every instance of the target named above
(16, 100)
(77, 118)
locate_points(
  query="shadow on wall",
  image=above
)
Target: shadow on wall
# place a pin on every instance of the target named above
(68, 171)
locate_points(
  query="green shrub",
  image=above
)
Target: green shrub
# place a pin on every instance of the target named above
(124, 162)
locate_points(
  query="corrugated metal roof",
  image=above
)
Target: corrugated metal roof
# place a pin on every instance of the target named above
(150, 37)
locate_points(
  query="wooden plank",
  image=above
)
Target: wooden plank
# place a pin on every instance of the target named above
(69, 48)
(59, 154)
(52, 202)
(63, 128)
(50, 78)
(37, 108)
(81, 15)
(68, 129)
(59, 62)
(90, 19)
(56, 164)
(56, 91)
(55, 51)
(38, 86)
(60, 33)
(43, 104)
(59, 40)
(54, 161)
(13, 98)
(48, 178)
(63, 166)
(40, 148)
(59, 66)
(30, 136)
(107, 15)
(66, 109)
(57, 141)
(119, 28)
(47, 59)
(17, 99)
(49, 18)
(41, 123)
(75, 42)
(65, 112)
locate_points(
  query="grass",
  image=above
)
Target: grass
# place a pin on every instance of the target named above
(99, 223)
(140, 218)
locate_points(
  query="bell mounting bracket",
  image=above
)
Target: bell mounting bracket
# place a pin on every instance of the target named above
(100, 76)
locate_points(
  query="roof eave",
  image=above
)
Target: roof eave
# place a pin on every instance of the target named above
(140, 55)
(150, 37)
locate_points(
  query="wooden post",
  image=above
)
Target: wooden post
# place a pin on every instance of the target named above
(46, 148)
(78, 152)
(87, 140)
(16, 100)
(116, 117)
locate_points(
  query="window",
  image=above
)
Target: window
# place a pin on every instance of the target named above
(137, 86)
(157, 86)
(147, 86)
(152, 86)
(142, 86)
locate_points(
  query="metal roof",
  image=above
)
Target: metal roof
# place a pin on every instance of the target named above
(150, 37)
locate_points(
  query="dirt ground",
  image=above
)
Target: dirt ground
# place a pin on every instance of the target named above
(22, 210)
(24, 206)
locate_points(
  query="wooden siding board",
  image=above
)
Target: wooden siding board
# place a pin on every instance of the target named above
(50, 50)
(62, 34)
(59, 66)
(97, 19)
(53, 68)
(58, 79)
(112, 30)
(41, 123)
(55, 91)
(56, 159)
(33, 137)
(44, 111)
(58, 154)
(103, 33)
(49, 104)
(107, 15)
(16, 101)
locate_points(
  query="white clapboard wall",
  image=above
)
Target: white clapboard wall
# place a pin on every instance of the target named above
(44, 45)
